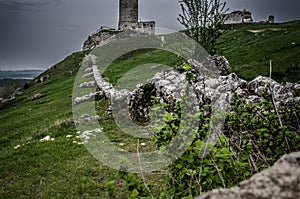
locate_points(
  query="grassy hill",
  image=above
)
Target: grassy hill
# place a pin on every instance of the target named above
(249, 47)
(65, 169)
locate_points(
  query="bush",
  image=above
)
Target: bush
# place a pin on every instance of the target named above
(255, 136)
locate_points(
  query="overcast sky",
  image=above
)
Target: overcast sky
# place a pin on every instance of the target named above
(36, 34)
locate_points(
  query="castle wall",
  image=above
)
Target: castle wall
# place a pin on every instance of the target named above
(146, 27)
(140, 27)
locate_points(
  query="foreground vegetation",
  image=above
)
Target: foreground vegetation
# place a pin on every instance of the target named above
(62, 168)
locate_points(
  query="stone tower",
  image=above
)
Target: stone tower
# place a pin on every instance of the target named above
(128, 13)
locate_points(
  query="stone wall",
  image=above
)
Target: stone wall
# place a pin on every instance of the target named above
(165, 86)
(140, 27)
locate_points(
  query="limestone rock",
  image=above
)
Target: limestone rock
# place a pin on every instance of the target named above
(37, 96)
(281, 181)
(283, 93)
(90, 84)
(222, 64)
(87, 98)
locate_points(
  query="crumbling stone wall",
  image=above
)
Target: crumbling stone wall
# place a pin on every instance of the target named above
(100, 38)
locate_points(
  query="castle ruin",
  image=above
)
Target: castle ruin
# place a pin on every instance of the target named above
(236, 17)
(128, 21)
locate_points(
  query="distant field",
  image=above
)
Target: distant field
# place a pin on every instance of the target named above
(17, 78)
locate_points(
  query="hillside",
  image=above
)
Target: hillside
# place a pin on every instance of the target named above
(249, 47)
(63, 168)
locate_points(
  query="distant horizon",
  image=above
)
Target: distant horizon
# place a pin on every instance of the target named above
(19, 74)
(19, 69)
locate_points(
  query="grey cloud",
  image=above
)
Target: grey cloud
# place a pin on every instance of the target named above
(25, 5)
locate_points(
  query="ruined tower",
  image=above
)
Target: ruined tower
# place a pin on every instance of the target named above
(128, 21)
(128, 18)
(128, 13)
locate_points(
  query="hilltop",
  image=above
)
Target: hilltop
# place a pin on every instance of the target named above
(63, 167)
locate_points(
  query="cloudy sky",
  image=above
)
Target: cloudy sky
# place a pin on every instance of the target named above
(35, 34)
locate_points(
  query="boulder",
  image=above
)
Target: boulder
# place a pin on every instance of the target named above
(281, 181)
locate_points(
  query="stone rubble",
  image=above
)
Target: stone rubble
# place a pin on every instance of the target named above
(86, 135)
(90, 84)
(87, 98)
(86, 119)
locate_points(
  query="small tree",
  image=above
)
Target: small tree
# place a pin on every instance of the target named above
(203, 20)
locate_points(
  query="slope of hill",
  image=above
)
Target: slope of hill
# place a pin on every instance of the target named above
(249, 47)
(55, 169)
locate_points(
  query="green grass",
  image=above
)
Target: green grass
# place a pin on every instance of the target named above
(138, 59)
(58, 169)
(249, 47)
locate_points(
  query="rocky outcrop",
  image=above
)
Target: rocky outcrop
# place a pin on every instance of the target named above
(281, 181)
(100, 38)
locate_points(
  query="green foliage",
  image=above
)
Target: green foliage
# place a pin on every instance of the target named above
(134, 185)
(254, 139)
(203, 20)
(258, 132)
(192, 174)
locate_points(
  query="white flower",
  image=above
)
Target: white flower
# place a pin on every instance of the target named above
(18, 146)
